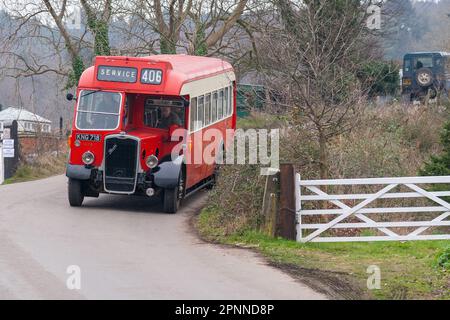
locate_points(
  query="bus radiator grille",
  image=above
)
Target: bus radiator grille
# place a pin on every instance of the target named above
(120, 164)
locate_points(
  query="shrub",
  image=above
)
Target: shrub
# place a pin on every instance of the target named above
(440, 165)
(381, 77)
(443, 260)
(236, 199)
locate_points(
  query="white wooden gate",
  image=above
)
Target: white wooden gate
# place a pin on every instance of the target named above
(310, 190)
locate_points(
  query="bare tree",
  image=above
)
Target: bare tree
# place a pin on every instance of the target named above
(74, 51)
(193, 26)
(212, 21)
(177, 11)
(311, 57)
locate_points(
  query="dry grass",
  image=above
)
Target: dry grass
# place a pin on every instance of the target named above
(44, 166)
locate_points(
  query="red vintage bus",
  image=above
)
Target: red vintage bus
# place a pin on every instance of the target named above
(127, 112)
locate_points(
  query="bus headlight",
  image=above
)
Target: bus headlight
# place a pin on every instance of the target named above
(88, 158)
(151, 161)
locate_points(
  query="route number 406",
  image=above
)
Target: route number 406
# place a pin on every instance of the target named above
(151, 76)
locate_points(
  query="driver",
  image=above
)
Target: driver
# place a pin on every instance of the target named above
(168, 118)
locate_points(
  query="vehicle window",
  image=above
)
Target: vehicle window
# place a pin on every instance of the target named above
(200, 112)
(162, 114)
(126, 112)
(225, 102)
(214, 107)
(230, 101)
(407, 65)
(220, 106)
(207, 109)
(98, 110)
(423, 62)
(193, 113)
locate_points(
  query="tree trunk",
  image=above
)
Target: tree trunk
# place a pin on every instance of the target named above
(323, 167)
(167, 46)
(101, 38)
(323, 156)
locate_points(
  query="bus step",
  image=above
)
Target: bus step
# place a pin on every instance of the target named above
(200, 186)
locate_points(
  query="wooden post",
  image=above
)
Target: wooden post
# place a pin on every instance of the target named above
(11, 164)
(271, 201)
(286, 222)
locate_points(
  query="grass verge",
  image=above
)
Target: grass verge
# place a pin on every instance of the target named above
(44, 167)
(409, 270)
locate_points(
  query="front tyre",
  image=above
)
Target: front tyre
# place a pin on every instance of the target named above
(75, 192)
(172, 196)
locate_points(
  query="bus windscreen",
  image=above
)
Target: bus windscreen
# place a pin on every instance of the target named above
(98, 110)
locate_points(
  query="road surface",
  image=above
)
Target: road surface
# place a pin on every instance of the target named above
(124, 248)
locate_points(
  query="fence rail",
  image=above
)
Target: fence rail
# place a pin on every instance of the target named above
(343, 212)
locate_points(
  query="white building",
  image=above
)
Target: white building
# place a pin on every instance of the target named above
(27, 121)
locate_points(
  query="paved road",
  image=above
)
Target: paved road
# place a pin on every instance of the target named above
(125, 249)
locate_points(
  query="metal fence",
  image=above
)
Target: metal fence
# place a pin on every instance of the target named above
(342, 216)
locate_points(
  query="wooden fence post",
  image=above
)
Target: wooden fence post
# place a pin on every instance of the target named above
(286, 222)
(11, 164)
(270, 205)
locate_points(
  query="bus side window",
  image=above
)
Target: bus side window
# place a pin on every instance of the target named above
(128, 116)
(220, 106)
(214, 107)
(225, 103)
(230, 101)
(200, 112)
(207, 109)
(193, 113)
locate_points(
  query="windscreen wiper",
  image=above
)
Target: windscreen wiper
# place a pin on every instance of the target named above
(89, 93)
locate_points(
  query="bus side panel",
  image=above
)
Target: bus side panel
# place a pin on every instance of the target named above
(208, 169)
(194, 166)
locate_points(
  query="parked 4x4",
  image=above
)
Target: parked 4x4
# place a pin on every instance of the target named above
(426, 73)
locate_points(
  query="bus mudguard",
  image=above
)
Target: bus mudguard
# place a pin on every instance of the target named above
(78, 172)
(168, 173)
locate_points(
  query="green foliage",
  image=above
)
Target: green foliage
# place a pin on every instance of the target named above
(382, 78)
(167, 46)
(444, 259)
(75, 73)
(439, 165)
(200, 47)
(101, 40)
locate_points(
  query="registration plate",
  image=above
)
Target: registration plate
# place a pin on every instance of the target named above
(88, 137)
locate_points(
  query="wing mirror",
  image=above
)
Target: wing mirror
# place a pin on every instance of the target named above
(70, 97)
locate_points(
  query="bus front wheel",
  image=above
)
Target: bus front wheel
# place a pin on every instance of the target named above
(76, 194)
(172, 196)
